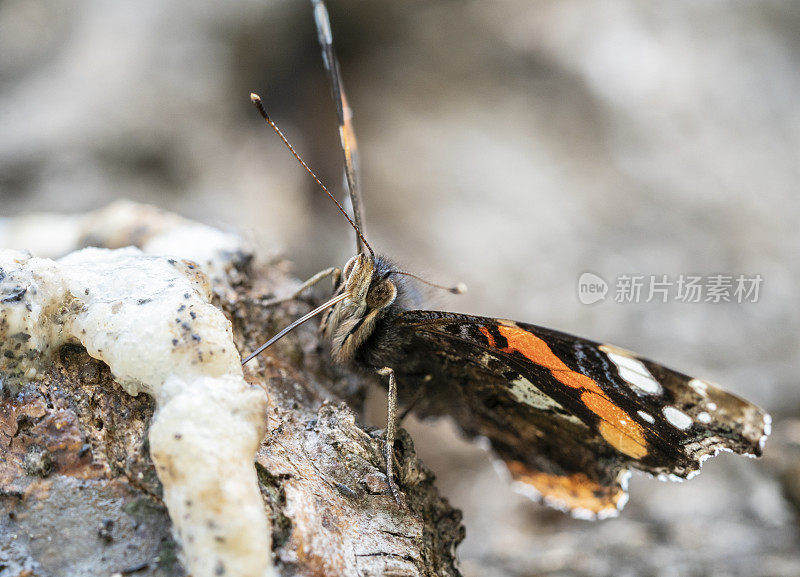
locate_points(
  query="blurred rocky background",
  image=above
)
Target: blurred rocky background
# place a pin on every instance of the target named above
(511, 145)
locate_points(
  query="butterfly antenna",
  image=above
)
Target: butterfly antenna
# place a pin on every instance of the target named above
(458, 289)
(256, 99)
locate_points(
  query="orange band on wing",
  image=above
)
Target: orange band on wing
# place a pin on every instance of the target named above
(617, 427)
(576, 491)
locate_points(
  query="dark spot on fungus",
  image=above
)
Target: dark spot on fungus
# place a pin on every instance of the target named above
(15, 295)
(219, 569)
(193, 314)
(196, 337)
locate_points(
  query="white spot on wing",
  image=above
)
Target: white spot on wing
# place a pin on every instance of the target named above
(700, 387)
(632, 370)
(676, 418)
(767, 430)
(644, 382)
(704, 418)
(646, 416)
(664, 477)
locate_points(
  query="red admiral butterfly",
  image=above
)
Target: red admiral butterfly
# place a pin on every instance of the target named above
(569, 417)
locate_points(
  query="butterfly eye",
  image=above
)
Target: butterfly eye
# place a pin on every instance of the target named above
(381, 295)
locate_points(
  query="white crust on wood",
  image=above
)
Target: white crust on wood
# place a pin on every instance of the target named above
(149, 318)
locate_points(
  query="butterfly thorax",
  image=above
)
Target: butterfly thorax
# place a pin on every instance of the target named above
(374, 294)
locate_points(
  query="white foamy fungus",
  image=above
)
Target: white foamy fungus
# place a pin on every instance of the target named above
(149, 318)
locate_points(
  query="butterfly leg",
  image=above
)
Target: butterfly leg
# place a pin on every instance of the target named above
(391, 421)
(334, 272)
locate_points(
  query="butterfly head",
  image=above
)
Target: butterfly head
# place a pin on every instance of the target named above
(370, 290)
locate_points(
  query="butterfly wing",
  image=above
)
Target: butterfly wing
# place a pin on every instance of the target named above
(568, 416)
(344, 114)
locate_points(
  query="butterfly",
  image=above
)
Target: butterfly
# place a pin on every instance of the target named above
(568, 417)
